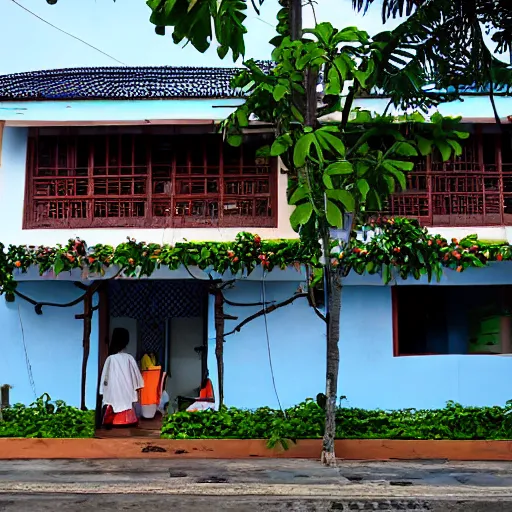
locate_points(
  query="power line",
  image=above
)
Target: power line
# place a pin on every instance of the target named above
(27, 360)
(67, 33)
(264, 300)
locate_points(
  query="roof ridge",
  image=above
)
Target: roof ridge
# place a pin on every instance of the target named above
(114, 69)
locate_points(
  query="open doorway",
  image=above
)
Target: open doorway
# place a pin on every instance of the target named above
(167, 319)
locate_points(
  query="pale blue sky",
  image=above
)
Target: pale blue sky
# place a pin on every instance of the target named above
(122, 30)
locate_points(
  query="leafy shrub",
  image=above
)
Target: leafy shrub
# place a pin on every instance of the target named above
(48, 419)
(306, 421)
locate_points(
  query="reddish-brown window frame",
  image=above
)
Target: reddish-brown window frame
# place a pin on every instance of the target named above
(469, 190)
(248, 190)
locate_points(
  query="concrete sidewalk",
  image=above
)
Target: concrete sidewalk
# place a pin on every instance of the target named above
(259, 484)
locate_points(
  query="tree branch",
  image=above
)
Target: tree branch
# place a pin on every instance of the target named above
(265, 311)
(93, 288)
(312, 304)
(348, 106)
(242, 304)
(39, 305)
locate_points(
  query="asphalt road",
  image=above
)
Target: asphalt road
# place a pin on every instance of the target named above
(259, 485)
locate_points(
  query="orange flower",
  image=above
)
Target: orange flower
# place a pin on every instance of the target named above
(91, 259)
(17, 264)
(499, 257)
(235, 259)
(459, 268)
(131, 261)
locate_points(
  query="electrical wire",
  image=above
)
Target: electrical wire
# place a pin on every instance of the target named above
(67, 33)
(27, 360)
(264, 300)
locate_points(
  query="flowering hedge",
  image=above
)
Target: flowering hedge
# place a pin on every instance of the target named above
(399, 248)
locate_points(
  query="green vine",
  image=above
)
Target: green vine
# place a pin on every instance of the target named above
(399, 248)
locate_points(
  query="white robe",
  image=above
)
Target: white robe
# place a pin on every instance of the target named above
(120, 380)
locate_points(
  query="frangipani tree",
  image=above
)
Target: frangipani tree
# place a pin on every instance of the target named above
(349, 166)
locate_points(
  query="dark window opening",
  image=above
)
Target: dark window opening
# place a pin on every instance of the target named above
(452, 320)
(144, 180)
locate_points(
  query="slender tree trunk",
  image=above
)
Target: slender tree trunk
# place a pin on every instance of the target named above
(333, 363)
(219, 342)
(332, 280)
(87, 317)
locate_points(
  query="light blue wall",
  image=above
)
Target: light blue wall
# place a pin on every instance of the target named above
(369, 376)
(297, 344)
(53, 344)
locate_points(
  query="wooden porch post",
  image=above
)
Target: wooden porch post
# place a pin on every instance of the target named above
(87, 318)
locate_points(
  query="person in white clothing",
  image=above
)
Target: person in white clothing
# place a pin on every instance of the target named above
(120, 381)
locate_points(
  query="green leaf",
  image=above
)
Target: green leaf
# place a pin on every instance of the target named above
(296, 113)
(350, 35)
(344, 197)
(234, 140)
(363, 187)
(242, 118)
(461, 135)
(424, 145)
(279, 92)
(300, 193)
(302, 149)
(362, 168)
(303, 61)
(456, 146)
(333, 214)
(342, 66)
(405, 149)
(58, 266)
(436, 118)
(399, 175)
(386, 274)
(334, 142)
(337, 168)
(445, 149)
(390, 182)
(263, 152)
(281, 144)
(333, 82)
(301, 215)
(400, 164)
(362, 117)
(327, 181)
(205, 253)
(323, 31)
(222, 51)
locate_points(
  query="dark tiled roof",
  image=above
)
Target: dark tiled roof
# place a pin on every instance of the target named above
(120, 83)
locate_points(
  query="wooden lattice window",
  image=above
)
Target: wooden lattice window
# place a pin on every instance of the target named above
(474, 189)
(126, 180)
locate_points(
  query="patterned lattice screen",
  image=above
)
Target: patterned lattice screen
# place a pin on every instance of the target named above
(156, 300)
